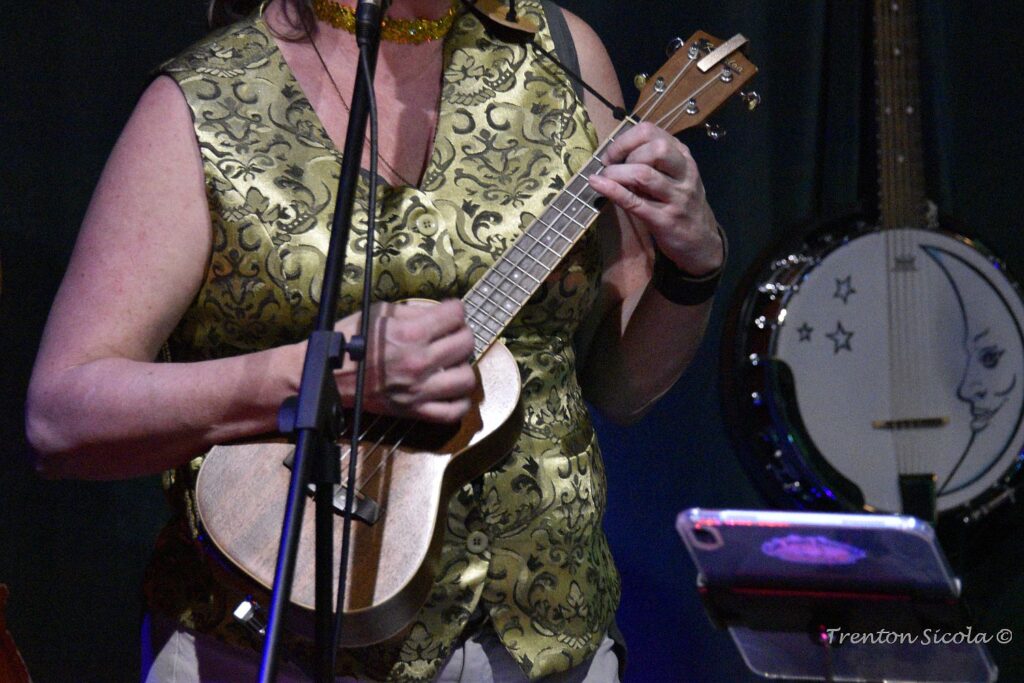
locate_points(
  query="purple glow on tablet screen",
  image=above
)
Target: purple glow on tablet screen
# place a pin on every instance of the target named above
(811, 550)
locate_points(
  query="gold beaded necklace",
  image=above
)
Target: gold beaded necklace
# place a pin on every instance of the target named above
(407, 31)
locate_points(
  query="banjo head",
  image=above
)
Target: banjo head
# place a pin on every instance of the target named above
(890, 352)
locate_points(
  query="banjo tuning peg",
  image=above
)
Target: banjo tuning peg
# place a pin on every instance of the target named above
(714, 131)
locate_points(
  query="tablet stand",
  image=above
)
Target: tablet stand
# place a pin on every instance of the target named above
(785, 631)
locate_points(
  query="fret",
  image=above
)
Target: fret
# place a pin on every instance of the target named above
(485, 324)
(581, 181)
(563, 202)
(506, 302)
(525, 254)
(471, 303)
(482, 316)
(504, 290)
(538, 242)
(595, 161)
(487, 307)
(517, 270)
(492, 288)
(514, 282)
(571, 218)
(570, 206)
(548, 236)
(554, 229)
(506, 266)
(554, 236)
(514, 276)
(481, 335)
(572, 210)
(586, 194)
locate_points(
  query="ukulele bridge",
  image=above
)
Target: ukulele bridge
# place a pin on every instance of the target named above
(365, 509)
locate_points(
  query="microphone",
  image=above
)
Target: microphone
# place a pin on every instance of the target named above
(369, 14)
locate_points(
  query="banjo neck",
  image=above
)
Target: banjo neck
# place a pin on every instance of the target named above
(901, 184)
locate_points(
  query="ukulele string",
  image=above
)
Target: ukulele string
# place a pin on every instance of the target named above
(655, 96)
(672, 115)
(519, 261)
(345, 456)
(376, 447)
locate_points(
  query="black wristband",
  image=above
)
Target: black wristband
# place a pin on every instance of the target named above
(678, 286)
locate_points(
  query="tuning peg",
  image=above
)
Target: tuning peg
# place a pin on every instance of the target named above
(640, 80)
(714, 131)
(752, 99)
(674, 45)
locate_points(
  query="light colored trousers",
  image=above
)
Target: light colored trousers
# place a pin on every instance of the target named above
(172, 654)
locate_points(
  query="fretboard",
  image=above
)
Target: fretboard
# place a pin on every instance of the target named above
(902, 191)
(505, 288)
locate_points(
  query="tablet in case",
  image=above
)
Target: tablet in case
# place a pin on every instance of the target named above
(843, 597)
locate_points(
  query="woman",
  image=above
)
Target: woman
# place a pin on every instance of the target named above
(207, 231)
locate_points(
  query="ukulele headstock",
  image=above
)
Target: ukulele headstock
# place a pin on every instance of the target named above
(700, 75)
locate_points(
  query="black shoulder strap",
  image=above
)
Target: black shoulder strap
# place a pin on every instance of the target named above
(562, 38)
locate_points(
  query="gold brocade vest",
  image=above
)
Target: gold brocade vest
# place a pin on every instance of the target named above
(511, 131)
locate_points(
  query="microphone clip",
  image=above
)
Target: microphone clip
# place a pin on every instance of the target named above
(369, 15)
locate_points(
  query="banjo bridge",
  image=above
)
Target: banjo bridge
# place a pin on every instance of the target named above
(912, 423)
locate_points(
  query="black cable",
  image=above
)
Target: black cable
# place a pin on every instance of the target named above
(364, 330)
(618, 112)
(524, 36)
(364, 323)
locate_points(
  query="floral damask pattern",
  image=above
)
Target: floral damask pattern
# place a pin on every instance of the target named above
(511, 131)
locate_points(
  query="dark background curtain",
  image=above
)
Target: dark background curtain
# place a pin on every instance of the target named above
(73, 552)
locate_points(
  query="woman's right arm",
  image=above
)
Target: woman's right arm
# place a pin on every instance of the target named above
(99, 407)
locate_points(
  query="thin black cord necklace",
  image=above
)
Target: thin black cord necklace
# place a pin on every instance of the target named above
(341, 97)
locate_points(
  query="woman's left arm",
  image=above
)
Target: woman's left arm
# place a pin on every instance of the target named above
(636, 342)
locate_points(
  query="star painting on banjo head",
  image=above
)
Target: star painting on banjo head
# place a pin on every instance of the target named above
(844, 288)
(841, 338)
(913, 370)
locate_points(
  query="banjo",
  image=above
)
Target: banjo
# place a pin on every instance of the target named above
(878, 366)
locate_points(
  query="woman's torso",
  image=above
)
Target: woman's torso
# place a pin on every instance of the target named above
(510, 132)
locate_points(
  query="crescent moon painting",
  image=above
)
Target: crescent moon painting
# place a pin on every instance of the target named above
(991, 386)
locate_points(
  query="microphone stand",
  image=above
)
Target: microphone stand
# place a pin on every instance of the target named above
(315, 416)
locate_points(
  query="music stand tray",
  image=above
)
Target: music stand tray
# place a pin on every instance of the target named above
(835, 597)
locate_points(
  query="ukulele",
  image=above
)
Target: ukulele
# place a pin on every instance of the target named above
(407, 472)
